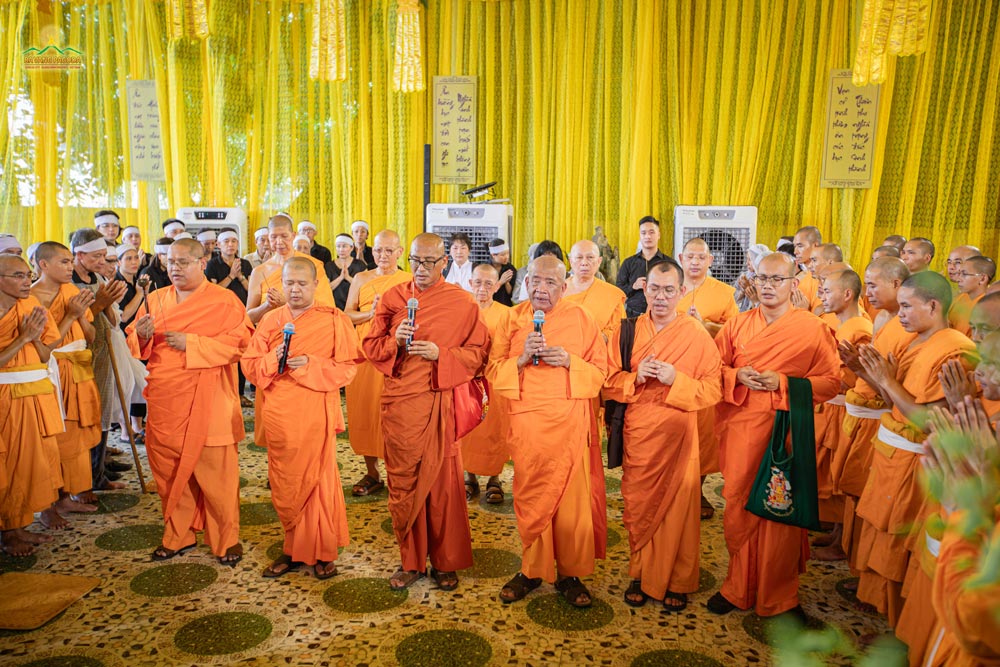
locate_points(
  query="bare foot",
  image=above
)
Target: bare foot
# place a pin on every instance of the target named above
(87, 497)
(67, 504)
(31, 538)
(823, 539)
(52, 520)
(13, 545)
(830, 553)
(112, 486)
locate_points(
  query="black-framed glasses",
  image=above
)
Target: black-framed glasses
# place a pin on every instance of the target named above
(774, 281)
(20, 275)
(426, 263)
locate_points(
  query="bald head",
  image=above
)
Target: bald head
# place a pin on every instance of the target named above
(546, 282)
(917, 253)
(48, 250)
(889, 268)
(299, 265)
(696, 259)
(885, 251)
(928, 286)
(845, 279)
(585, 259)
(895, 240)
(427, 243)
(776, 264)
(828, 253)
(387, 238)
(13, 263)
(191, 247)
(985, 317)
(426, 259)
(981, 266)
(810, 234)
(957, 257)
(281, 221)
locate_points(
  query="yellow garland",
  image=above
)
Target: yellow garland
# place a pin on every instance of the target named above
(328, 51)
(408, 68)
(187, 18)
(889, 28)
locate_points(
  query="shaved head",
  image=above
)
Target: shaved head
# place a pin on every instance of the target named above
(829, 253)
(12, 263)
(486, 270)
(546, 282)
(776, 264)
(895, 240)
(427, 242)
(388, 238)
(697, 243)
(810, 234)
(955, 259)
(930, 286)
(585, 246)
(885, 251)
(281, 220)
(845, 279)
(981, 265)
(49, 249)
(666, 266)
(547, 263)
(985, 317)
(889, 268)
(191, 246)
(426, 248)
(293, 264)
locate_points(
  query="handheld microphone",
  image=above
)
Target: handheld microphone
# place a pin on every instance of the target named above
(539, 320)
(412, 305)
(288, 330)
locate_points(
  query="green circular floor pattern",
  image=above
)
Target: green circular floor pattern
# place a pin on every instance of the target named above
(16, 563)
(244, 482)
(612, 485)
(493, 563)
(554, 612)
(257, 514)
(65, 661)
(221, 634)
(614, 538)
(852, 595)
(352, 499)
(386, 526)
(254, 447)
(131, 538)
(276, 550)
(760, 628)
(506, 507)
(108, 503)
(718, 491)
(706, 580)
(174, 579)
(672, 657)
(443, 648)
(364, 595)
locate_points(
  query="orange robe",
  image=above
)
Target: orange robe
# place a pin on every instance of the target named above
(558, 489)
(364, 393)
(715, 302)
(970, 627)
(194, 421)
(894, 502)
(917, 621)
(961, 311)
(829, 420)
(809, 286)
(485, 449)
(604, 302)
(302, 417)
(30, 475)
(661, 485)
(765, 557)
(81, 399)
(422, 457)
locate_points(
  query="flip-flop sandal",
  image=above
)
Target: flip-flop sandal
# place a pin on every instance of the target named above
(635, 590)
(471, 489)
(284, 559)
(707, 509)
(367, 486)
(572, 588)
(682, 598)
(410, 579)
(228, 560)
(446, 581)
(319, 569)
(494, 493)
(163, 553)
(520, 586)
(718, 604)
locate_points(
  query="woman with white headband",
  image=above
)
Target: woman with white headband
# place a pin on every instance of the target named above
(263, 250)
(500, 258)
(362, 251)
(320, 252)
(108, 224)
(341, 271)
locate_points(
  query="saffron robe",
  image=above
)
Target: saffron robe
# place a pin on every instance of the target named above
(961, 311)
(604, 302)
(660, 471)
(485, 449)
(765, 558)
(302, 417)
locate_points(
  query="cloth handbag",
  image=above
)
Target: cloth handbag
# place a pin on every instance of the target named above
(785, 488)
(614, 412)
(472, 401)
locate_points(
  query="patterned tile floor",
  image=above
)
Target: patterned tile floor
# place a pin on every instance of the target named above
(192, 611)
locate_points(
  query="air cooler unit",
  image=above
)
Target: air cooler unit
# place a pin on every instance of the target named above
(197, 220)
(482, 222)
(728, 230)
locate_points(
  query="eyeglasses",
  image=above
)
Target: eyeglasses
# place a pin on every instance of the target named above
(983, 329)
(669, 292)
(182, 263)
(966, 274)
(383, 251)
(774, 281)
(426, 263)
(20, 275)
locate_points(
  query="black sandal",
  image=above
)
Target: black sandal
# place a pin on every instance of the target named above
(233, 556)
(446, 581)
(682, 598)
(707, 509)
(163, 553)
(272, 571)
(471, 489)
(319, 569)
(718, 604)
(520, 586)
(367, 486)
(494, 493)
(572, 588)
(633, 591)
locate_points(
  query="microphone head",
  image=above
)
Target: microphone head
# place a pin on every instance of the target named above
(412, 303)
(539, 317)
(288, 329)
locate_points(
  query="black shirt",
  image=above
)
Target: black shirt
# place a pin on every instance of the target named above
(502, 295)
(130, 292)
(322, 253)
(340, 292)
(632, 269)
(158, 277)
(368, 259)
(217, 271)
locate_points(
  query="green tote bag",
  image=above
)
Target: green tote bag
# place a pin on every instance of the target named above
(785, 487)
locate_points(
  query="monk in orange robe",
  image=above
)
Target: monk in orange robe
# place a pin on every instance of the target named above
(974, 277)
(485, 450)
(712, 303)
(193, 335)
(302, 417)
(839, 292)
(956, 257)
(805, 242)
(864, 405)
(423, 362)
(676, 372)
(561, 523)
(364, 393)
(893, 502)
(604, 301)
(761, 349)
(30, 476)
(69, 308)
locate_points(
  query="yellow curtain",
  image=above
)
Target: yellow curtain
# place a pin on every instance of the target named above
(592, 112)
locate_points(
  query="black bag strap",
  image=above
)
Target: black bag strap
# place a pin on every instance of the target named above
(625, 342)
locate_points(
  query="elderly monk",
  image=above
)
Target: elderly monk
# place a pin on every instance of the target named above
(973, 277)
(69, 307)
(917, 254)
(864, 405)
(30, 475)
(604, 301)
(712, 303)
(485, 450)
(893, 501)
(423, 362)
(364, 394)
(302, 450)
(676, 373)
(193, 335)
(955, 259)
(839, 292)
(761, 349)
(561, 519)
(805, 242)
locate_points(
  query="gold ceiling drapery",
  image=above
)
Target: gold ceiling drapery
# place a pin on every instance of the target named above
(889, 28)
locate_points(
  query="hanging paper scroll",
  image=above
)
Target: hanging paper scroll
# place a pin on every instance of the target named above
(454, 156)
(849, 148)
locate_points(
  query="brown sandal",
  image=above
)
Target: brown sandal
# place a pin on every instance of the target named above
(707, 510)
(367, 486)
(405, 578)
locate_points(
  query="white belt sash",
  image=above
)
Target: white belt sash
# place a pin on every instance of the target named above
(865, 413)
(898, 441)
(75, 346)
(23, 377)
(837, 400)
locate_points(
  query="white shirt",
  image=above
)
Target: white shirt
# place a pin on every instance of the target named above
(460, 275)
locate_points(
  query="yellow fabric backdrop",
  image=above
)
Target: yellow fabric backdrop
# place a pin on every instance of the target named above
(591, 112)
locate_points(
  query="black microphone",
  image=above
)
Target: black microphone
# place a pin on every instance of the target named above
(411, 316)
(288, 331)
(539, 320)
